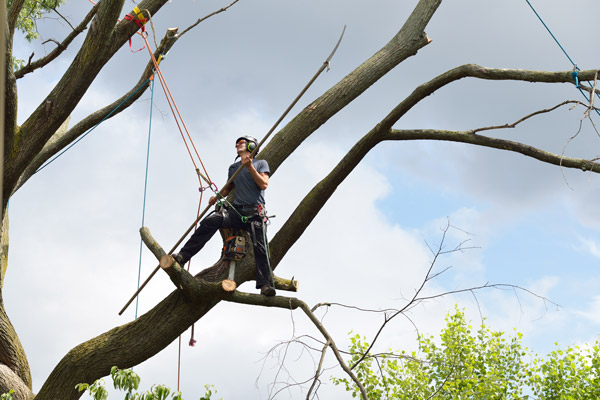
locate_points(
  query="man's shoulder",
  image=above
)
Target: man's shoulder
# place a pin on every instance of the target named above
(235, 165)
(261, 165)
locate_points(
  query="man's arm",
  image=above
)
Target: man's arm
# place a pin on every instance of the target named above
(260, 178)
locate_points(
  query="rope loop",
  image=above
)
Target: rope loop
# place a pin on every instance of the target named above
(575, 76)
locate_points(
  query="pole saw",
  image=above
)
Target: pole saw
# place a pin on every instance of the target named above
(218, 194)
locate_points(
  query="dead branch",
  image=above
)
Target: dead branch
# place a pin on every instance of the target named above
(206, 17)
(63, 18)
(318, 371)
(525, 118)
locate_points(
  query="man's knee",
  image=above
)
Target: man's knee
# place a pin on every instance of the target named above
(214, 221)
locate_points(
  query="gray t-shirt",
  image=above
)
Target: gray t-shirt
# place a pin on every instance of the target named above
(247, 191)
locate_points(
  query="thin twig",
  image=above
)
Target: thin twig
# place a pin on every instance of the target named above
(525, 118)
(64, 19)
(206, 17)
(318, 371)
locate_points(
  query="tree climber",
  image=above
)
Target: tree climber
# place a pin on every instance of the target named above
(246, 212)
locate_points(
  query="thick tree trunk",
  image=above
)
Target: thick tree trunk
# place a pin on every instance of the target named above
(12, 355)
(11, 381)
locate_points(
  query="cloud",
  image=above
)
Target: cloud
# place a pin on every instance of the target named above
(591, 246)
(591, 314)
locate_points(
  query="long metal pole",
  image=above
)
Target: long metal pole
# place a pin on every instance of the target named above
(285, 113)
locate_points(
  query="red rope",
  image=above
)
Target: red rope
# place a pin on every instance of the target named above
(175, 109)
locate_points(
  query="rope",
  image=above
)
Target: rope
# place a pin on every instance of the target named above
(211, 185)
(177, 113)
(575, 73)
(145, 192)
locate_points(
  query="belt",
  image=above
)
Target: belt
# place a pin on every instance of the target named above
(247, 206)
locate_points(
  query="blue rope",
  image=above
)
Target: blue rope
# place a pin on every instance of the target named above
(92, 128)
(145, 191)
(575, 73)
(551, 34)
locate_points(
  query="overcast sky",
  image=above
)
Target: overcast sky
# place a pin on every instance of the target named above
(74, 249)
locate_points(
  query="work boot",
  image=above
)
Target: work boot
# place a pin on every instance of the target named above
(179, 258)
(267, 290)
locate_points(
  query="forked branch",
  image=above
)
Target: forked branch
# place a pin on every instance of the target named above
(41, 62)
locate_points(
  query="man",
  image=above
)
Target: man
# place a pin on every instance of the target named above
(250, 185)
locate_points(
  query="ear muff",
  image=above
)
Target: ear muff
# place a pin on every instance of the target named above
(251, 142)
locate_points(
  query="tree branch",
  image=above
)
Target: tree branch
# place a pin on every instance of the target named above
(12, 16)
(207, 17)
(62, 138)
(404, 44)
(196, 290)
(11, 381)
(502, 144)
(12, 355)
(476, 71)
(312, 203)
(54, 109)
(32, 66)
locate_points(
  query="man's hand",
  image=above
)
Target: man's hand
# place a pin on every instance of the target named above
(212, 200)
(246, 160)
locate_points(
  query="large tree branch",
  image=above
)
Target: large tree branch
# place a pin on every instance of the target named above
(12, 354)
(404, 44)
(58, 105)
(312, 203)
(12, 16)
(11, 381)
(62, 138)
(130, 344)
(476, 71)
(501, 144)
(32, 66)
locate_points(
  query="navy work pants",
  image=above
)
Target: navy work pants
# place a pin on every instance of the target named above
(228, 218)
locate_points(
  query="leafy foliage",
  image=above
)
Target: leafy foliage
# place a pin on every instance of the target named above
(7, 396)
(127, 381)
(31, 11)
(484, 364)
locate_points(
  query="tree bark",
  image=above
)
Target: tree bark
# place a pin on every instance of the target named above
(12, 355)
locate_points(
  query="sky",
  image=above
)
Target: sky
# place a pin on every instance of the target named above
(74, 242)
